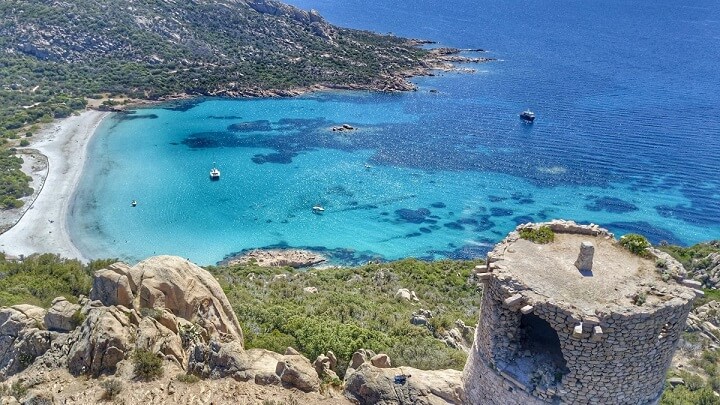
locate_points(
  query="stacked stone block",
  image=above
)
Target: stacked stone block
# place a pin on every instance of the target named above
(614, 355)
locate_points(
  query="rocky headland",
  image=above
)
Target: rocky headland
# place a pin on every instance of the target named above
(295, 258)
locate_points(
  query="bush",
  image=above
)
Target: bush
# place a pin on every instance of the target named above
(188, 378)
(18, 390)
(636, 244)
(112, 388)
(24, 142)
(540, 235)
(77, 319)
(148, 365)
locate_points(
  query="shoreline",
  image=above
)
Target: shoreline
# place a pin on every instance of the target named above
(43, 227)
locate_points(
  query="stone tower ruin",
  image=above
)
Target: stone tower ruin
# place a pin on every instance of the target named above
(561, 326)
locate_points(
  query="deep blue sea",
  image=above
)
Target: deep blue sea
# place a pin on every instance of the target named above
(627, 135)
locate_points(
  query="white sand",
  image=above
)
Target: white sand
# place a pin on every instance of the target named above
(43, 228)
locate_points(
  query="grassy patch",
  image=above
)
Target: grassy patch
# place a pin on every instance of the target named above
(540, 235)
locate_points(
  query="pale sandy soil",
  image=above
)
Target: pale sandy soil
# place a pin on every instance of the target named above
(43, 227)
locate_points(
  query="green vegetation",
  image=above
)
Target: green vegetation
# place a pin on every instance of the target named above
(153, 49)
(540, 235)
(694, 258)
(111, 388)
(14, 184)
(355, 308)
(147, 365)
(187, 378)
(636, 244)
(40, 278)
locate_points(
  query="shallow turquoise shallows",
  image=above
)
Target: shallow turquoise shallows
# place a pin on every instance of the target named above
(626, 135)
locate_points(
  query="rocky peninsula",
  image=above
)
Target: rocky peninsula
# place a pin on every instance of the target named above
(295, 258)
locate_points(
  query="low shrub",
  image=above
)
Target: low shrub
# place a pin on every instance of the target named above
(636, 244)
(112, 388)
(540, 235)
(188, 378)
(148, 365)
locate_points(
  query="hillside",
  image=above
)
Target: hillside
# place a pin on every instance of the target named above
(54, 55)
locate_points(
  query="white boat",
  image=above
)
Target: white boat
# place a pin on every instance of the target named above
(318, 209)
(214, 173)
(133, 203)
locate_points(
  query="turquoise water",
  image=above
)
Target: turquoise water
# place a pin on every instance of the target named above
(626, 136)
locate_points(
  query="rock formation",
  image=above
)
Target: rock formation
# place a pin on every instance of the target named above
(369, 384)
(296, 258)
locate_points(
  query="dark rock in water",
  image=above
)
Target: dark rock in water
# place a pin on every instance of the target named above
(251, 126)
(500, 212)
(425, 230)
(438, 205)
(413, 216)
(454, 225)
(282, 158)
(611, 204)
(521, 198)
(523, 219)
(129, 116)
(494, 198)
(413, 235)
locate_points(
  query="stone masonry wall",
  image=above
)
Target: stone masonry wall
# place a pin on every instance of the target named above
(624, 361)
(617, 356)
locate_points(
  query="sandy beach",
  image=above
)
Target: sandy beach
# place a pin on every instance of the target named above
(43, 227)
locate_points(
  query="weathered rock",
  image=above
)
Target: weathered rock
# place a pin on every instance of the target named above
(154, 337)
(60, 315)
(310, 290)
(360, 357)
(296, 371)
(103, 340)
(295, 258)
(324, 367)
(406, 385)
(218, 360)
(381, 360)
(173, 284)
(289, 351)
(584, 261)
(265, 378)
(403, 294)
(418, 320)
(112, 287)
(21, 339)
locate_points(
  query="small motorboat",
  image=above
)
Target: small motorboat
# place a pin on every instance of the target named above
(133, 203)
(214, 173)
(527, 116)
(318, 209)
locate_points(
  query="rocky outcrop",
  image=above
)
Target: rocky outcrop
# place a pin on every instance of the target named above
(62, 315)
(325, 365)
(171, 284)
(22, 338)
(164, 305)
(296, 371)
(369, 384)
(406, 294)
(296, 258)
(102, 341)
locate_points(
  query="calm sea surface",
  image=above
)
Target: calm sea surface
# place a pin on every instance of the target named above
(627, 135)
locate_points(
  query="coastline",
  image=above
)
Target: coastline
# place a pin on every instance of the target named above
(43, 228)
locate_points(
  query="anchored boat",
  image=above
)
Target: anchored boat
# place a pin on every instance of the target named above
(527, 116)
(214, 173)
